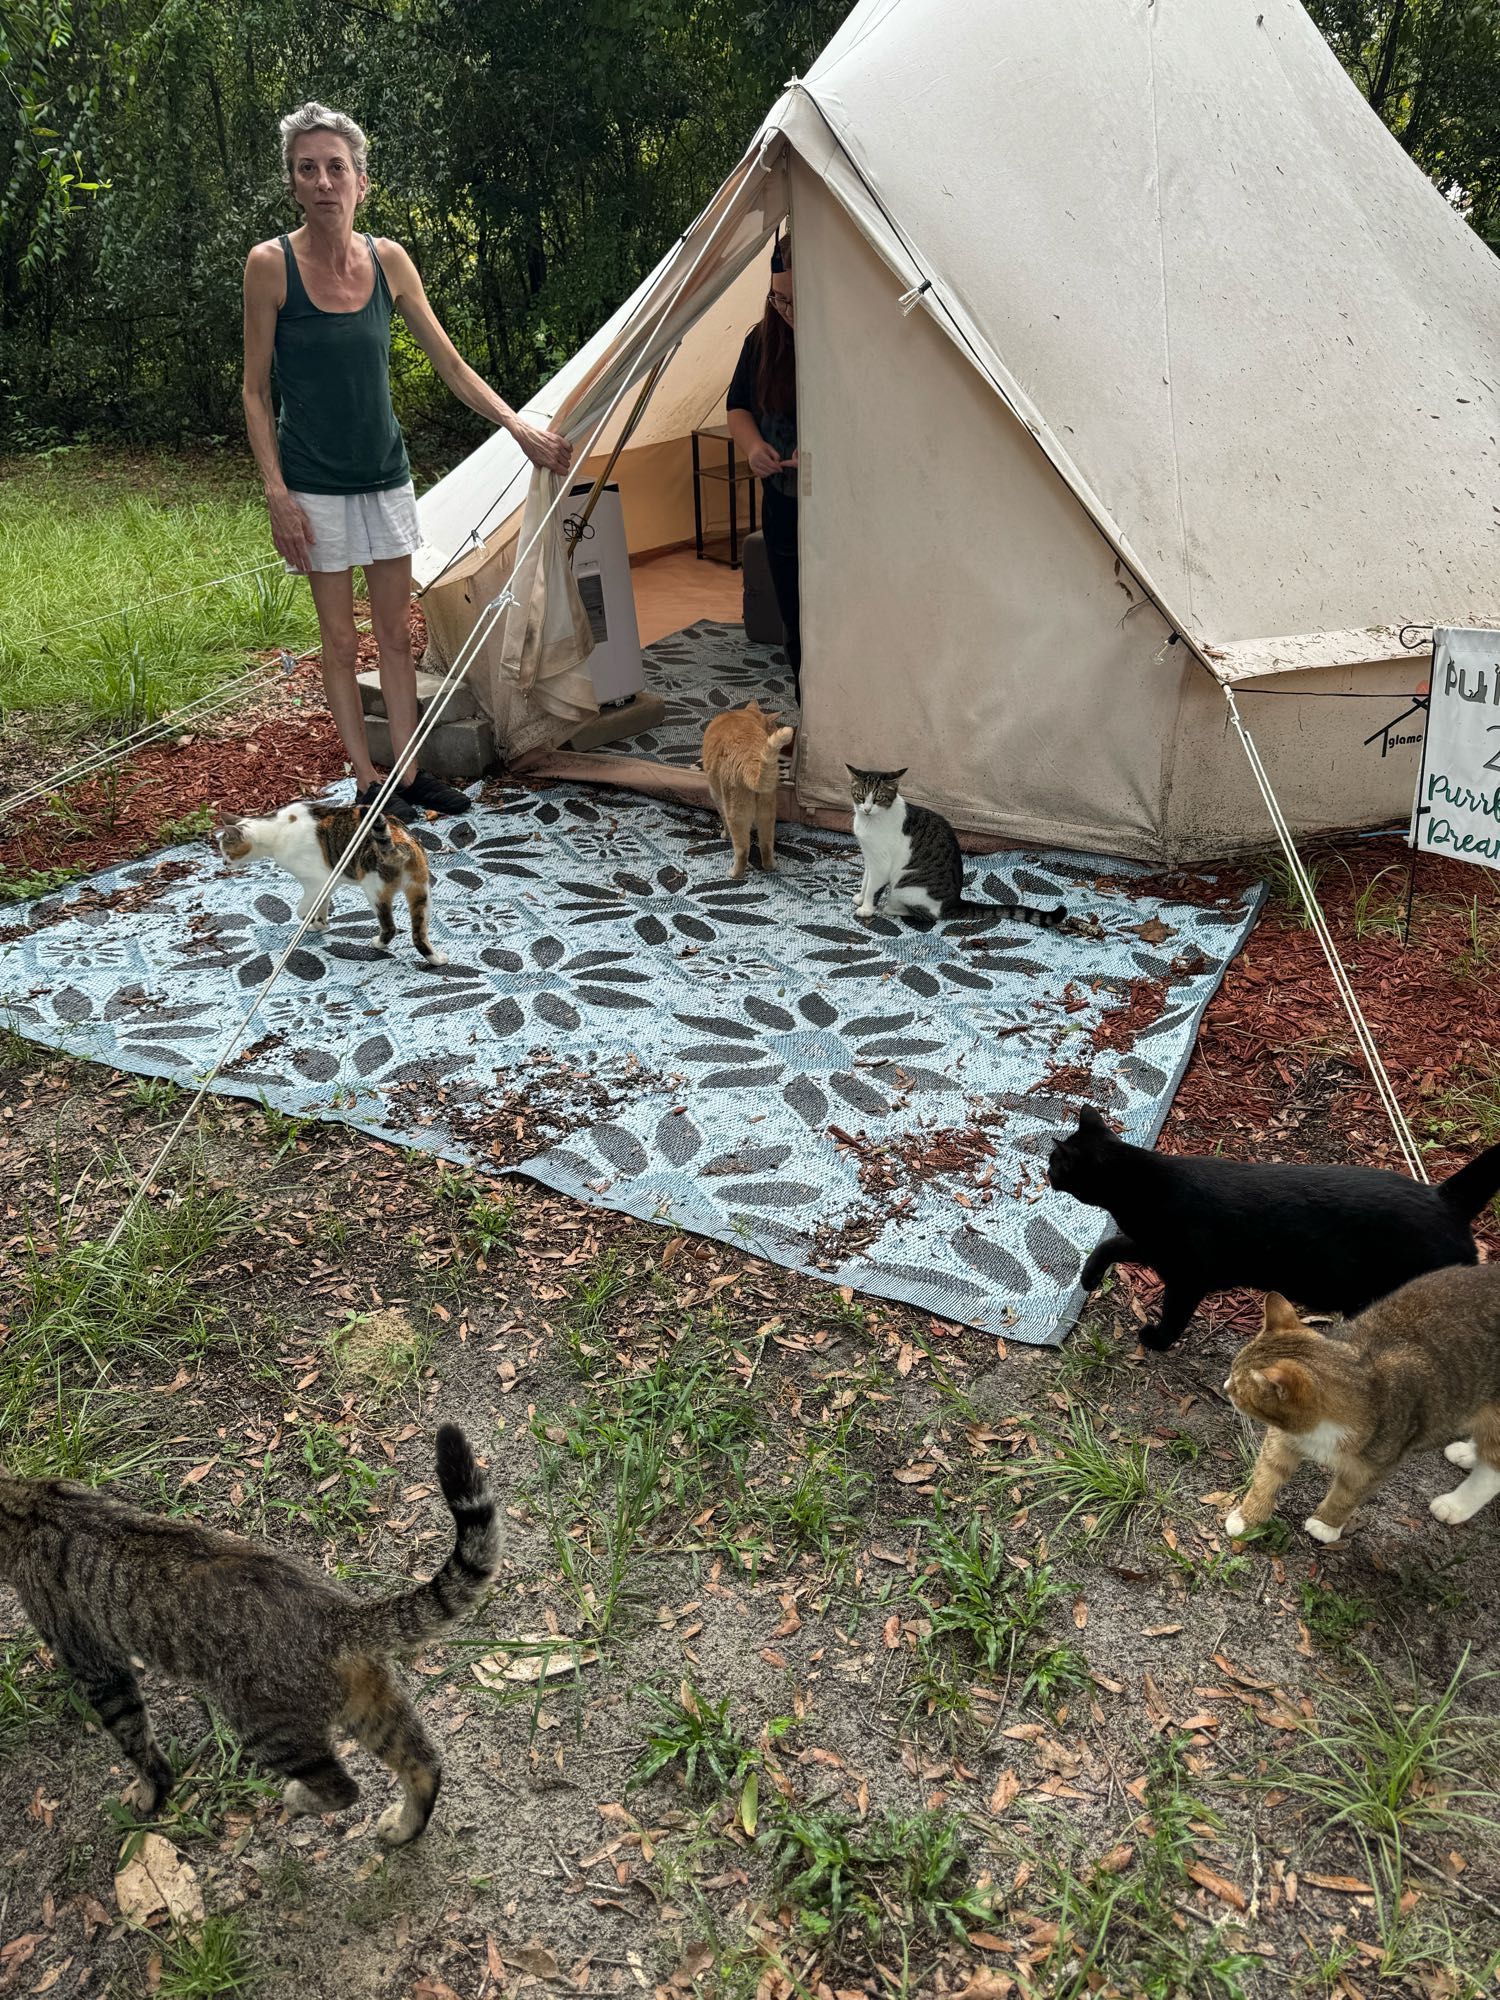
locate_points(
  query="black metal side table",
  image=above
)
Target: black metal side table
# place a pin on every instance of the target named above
(734, 473)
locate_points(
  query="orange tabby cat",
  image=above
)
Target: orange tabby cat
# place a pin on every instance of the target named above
(740, 752)
(1414, 1370)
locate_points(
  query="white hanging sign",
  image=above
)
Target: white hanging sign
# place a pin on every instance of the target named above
(1457, 807)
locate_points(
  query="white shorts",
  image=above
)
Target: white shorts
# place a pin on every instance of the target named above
(352, 528)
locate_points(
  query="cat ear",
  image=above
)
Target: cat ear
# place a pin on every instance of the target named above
(1287, 1381)
(1279, 1317)
(899, 775)
(1091, 1120)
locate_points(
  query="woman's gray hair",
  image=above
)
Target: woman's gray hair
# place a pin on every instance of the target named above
(315, 117)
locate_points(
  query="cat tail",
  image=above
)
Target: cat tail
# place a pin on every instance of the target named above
(776, 742)
(966, 911)
(1471, 1190)
(399, 1624)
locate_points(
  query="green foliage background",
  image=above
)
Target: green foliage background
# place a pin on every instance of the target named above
(536, 157)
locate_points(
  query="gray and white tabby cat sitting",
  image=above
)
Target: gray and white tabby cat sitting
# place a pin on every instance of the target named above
(913, 865)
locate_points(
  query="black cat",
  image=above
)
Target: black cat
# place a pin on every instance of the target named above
(1335, 1239)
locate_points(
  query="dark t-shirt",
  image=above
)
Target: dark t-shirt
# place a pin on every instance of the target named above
(777, 427)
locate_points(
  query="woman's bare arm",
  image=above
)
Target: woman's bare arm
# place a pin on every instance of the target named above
(265, 281)
(542, 447)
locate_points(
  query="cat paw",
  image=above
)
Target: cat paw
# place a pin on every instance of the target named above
(1153, 1337)
(437, 958)
(298, 1799)
(1463, 1453)
(1320, 1530)
(396, 1826)
(145, 1795)
(1095, 1271)
(861, 911)
(1235, 1524)
(1450, 1507)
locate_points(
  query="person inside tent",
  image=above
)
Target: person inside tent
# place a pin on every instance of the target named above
(762, 415)
(337, 482)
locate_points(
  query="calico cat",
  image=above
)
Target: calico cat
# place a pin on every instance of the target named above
(1417, 1369)
(1333, 1238)
(740, 753)
(913, 861)
(307, 838)
(286, 1655)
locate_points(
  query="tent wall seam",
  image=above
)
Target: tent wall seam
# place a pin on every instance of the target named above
(1166, 309)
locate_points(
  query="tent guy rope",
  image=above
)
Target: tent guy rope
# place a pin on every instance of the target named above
(1410, 1151)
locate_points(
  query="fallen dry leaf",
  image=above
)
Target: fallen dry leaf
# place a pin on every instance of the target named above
(537, 1960)
(557, 1657)
(1007, 1786)
(913, 1475)
(1216, 1885)
(1346, 1885)
(987, 1985)
(157, 1882)
(433, 1989)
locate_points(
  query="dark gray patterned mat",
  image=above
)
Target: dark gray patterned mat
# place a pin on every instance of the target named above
(871, 1103)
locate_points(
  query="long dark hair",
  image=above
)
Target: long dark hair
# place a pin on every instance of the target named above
(776, 363)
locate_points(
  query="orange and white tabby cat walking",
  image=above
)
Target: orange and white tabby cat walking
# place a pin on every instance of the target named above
(1417, 1369)
(741, 749)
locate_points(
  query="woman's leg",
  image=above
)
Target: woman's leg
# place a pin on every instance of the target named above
(333, 597)
(779, 522)
(389, 586)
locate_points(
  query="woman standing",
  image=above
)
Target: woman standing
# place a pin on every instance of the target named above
(762, 416)
(338, 485)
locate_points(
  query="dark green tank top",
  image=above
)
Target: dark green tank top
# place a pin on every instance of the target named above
(337, 430)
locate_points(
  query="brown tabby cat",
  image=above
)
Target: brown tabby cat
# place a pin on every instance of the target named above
(1414, 1370)
(286, 1656)
(307, 838)
(740, 752)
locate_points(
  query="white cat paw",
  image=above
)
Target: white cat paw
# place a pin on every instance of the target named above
(1450, 1507)
(437, 958)
(298, 1799)
(1235, 1523)
(1462, 1452)
(862, 910)
(1320, 1530)
(395, 1827)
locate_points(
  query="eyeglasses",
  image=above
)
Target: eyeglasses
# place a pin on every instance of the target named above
(780, 302)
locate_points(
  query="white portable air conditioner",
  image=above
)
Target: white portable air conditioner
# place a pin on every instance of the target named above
(601, 570)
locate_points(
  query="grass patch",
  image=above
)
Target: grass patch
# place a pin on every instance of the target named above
(80, 1309)
(1110, 1483)
(1112, 1919)
(893, 1880)
(664, 1443)
(77, 540)
(1331, 1616)
(344, 1485)
(698, 1738)
(23, 885)
(1383, 1769)
(208, 1963)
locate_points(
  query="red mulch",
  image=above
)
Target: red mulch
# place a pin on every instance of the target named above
(278, 746)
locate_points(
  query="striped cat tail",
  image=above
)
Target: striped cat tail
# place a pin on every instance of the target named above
(1016, 913)
(398, 1624)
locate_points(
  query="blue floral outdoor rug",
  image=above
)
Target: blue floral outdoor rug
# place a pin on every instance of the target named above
(698, 673)
(873, 1104)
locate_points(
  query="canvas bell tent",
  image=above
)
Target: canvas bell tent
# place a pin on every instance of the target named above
(1134, 357)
